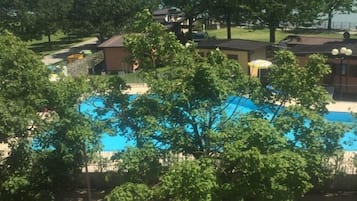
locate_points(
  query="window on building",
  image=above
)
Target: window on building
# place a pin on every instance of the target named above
(232, 56)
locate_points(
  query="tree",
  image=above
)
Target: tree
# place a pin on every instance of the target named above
(193, 109)
(207, 85)
(306, 14)
(105, 18)
(337, 6)
(40, 120)
(33, 19)
(188, 180)
(19, 18)
(51, 16)
(140, 165)
(278, 174)
(191, 8)
(148, 49)
(130, 192)
(316, 141)
(228, 11)
(272, 13)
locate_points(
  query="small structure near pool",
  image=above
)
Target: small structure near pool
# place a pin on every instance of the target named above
(115, 55)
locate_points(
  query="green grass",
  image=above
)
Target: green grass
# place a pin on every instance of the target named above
(132, 77)
(58, 41)
(263, 34)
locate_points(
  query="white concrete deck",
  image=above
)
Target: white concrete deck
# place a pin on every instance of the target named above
(337, 106)
(343, 106)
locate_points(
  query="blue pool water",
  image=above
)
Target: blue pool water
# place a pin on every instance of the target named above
(116, 143)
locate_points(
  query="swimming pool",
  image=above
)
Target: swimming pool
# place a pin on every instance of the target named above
(117, 143)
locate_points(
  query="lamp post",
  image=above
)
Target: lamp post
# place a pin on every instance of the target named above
(341, 53)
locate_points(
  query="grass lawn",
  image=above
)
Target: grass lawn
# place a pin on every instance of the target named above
(263, 34)
(131, 77)
(58, 41)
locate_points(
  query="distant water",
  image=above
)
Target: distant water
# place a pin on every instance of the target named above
(343, 21)
(345, 18)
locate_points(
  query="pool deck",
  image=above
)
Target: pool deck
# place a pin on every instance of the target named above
(343, 106)
(337, 106)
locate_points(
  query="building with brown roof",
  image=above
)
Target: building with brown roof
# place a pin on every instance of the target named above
(116, 56)
(344, 67)
(241, 50)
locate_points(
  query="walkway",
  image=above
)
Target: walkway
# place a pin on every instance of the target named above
(62, 54)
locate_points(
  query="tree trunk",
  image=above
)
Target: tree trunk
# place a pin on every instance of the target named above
(49, 38)
(329, 23)
(190, 28)
(272, 30)
(101, 37)
(229, 24)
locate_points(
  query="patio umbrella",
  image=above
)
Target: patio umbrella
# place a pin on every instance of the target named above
(260, 64)
(256, 65)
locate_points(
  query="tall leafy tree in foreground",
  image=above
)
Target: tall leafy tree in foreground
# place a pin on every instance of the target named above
(48, 138)
(193, 110)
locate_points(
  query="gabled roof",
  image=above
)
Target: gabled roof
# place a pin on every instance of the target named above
(115, 41)
(291, 40)
(232, 44)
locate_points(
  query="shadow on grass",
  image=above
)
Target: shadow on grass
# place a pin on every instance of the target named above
(44, 48)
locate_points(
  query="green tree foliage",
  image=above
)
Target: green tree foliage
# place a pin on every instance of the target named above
(332, 7)
(130, 192)
(32, 19)
(150, 42)
(306, 14)
(51, 16)
(299, 84)
(192, 9)
(272, 13)
(298, 89)
(19, 17)
(21, 87)
(48, 137)
(188, 180)
(229, 12)
(105, 18)
(140, 165)
(271, 153)
(256, 164)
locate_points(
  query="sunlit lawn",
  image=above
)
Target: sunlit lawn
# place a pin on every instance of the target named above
(58, 41)
(263, 34)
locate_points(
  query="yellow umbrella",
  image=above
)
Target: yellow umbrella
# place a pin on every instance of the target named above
(260, 64)
(256, 65)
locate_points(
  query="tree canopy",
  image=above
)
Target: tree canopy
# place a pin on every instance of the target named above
(193, 111)
(48, 137)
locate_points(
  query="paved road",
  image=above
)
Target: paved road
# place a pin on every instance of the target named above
(62, 54)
